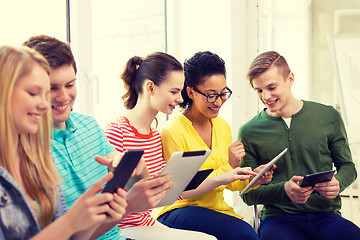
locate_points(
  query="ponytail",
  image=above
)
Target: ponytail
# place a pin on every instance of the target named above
(128, 77)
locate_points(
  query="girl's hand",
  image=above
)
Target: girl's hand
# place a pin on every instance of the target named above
(112, 160)
(147, 193)
(238, 173)
(236, 153)
(91, 208)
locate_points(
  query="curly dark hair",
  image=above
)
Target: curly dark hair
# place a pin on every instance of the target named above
(202, 64)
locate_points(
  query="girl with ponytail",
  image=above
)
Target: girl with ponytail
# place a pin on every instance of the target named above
(153, 85)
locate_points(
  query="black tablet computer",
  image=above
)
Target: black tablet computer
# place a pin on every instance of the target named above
(124, 170)
(199, 177)
(312, 179)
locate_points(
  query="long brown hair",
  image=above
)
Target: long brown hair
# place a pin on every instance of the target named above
(37, 168)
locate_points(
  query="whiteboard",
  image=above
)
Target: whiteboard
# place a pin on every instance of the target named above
(347, 63)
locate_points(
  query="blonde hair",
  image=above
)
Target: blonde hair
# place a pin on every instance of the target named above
(37, 168)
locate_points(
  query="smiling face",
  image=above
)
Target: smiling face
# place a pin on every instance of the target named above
(63, 94)
(274, 91)
(30, 100)
(214, 84)
(168, 94)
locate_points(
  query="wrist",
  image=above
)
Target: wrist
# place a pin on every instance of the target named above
(129, 210)
(66, 224)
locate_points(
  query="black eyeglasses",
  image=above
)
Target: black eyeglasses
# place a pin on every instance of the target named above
(213, 97)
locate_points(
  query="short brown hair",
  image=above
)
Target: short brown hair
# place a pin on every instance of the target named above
(265, 61)
(56, 52)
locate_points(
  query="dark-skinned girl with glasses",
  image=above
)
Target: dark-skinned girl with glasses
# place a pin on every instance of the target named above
(199, 127)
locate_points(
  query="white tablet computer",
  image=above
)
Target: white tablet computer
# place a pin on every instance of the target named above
(266, 168)
(182, 166)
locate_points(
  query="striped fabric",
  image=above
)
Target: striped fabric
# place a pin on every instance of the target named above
(73, 150)
(125, 137)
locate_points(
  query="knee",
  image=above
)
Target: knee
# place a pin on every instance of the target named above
(250, 235)
(242, 232)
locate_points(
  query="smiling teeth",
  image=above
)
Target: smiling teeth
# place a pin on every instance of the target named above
(271, 102)
(35, 116)
(60, 107)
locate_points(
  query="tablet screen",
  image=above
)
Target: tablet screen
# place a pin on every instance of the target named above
(312, 179)
(266, 168)
(198, 179)
(124, 170)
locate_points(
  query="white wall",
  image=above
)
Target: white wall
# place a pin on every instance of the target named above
(105, 35)
(220, 27)
(290, 37)
(21, 19)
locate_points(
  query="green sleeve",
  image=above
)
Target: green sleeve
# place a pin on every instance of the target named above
(266, 194)
(341, 155)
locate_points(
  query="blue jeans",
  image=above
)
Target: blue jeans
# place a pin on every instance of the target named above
(314, 226)
(220, 225)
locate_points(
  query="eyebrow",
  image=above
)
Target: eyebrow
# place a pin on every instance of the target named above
(55, 84)
(213, 90)
(38, 88)
(178, 89)
(270, 85)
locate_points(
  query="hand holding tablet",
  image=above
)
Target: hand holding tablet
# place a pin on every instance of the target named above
(124, 170)
(312, 179)
(182, 166)
(261, 173)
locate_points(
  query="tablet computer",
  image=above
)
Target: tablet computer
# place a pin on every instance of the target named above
(124, 170)
(199, 177)
(312, 179)
(266, 168)
(182, 166)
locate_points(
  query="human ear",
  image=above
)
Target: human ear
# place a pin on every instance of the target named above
(149, 87)
(291, 78)
(190, 92)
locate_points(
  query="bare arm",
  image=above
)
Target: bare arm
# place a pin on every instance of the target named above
(224, 179)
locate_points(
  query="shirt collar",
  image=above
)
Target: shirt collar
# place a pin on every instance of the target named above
(62, 133)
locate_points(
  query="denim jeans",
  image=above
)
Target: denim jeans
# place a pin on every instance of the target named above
(220, 225)
(314, 226)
